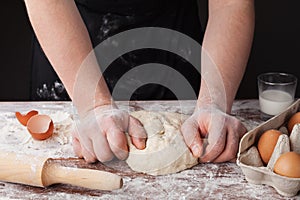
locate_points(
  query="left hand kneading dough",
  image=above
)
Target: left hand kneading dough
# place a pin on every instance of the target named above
(166, 151)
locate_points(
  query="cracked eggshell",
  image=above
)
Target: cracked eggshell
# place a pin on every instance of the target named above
(23, 119)
(40, 127)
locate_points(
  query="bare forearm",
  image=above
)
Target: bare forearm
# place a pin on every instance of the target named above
(226, 45)
(66, 43)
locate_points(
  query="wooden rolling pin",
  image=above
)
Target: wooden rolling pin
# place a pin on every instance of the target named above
(40, 172)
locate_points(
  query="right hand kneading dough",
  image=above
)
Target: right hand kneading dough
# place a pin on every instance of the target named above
(166, 151)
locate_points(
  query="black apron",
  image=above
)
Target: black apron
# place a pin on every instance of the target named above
(105, 18)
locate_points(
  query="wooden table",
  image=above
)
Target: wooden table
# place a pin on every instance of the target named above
(204, 181)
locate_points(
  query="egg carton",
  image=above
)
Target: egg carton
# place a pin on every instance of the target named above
(250, 161)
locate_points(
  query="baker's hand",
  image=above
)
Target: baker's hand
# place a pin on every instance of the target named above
(212, 135)
(100, 134)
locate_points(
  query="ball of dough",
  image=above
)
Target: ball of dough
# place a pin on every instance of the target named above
(166, 151)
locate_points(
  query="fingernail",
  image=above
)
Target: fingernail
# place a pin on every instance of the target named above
(202, 160)
(139, 143)
(122, 155)
(196, 150)
(142, 144)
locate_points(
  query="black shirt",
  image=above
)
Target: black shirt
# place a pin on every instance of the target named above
(105, 18)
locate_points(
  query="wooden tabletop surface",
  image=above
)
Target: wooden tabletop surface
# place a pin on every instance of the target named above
(204, 181)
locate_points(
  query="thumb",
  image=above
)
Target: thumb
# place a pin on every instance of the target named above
(77, 147)
(76, 143)
(137, 133)
(192, 137)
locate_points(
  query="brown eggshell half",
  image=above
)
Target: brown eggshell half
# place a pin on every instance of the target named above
(23, 119)
(40, 127)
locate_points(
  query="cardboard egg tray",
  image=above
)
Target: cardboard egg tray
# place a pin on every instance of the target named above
(250, 161)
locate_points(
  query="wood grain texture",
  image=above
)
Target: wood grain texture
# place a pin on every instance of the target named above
(204, 181)
(55, 173)
(23, 169)
(42, 172)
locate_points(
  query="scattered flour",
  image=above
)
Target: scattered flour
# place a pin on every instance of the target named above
(14, 137)
(204, 181)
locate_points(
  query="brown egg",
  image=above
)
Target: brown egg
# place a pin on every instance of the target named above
(267, 143)
(288, 164)
(23, 119)
(295, 119)
(40, 127)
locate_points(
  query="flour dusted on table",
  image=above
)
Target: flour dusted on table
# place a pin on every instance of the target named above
(14, 137)
(166, 151)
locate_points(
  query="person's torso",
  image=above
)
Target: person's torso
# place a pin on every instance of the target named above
(106, 18)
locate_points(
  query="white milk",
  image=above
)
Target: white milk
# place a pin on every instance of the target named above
(273, 102)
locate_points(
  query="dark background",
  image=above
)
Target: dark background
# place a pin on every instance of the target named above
(276, 47)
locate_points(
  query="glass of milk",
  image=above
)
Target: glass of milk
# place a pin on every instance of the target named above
(276, 92)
